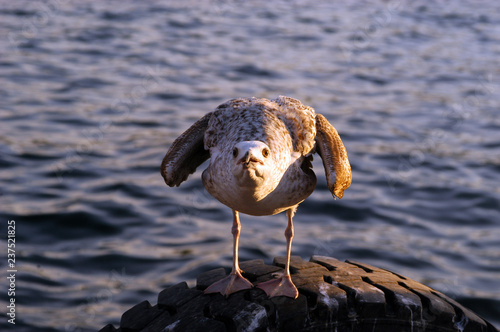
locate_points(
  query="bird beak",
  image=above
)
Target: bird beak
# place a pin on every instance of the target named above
(249, 158)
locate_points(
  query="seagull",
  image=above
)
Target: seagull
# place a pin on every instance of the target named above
(260, 153)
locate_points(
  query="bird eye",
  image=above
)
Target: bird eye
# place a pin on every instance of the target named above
(265, 152)
(235, 152)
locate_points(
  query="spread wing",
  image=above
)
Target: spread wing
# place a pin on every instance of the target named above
(186, 153)
(332, 151)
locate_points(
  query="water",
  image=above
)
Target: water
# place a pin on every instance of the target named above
(93, 93)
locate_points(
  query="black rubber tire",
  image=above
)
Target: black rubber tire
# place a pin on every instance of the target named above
(334, 296)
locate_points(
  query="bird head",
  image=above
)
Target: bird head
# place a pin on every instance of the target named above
(251, 163)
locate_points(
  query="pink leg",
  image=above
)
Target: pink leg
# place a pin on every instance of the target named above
(234, 281)
(283, 286)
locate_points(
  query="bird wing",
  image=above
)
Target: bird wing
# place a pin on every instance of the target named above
(332, 151)
(186, 153)
(299, 120)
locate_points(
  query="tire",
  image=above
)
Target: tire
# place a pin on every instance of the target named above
(333, 296)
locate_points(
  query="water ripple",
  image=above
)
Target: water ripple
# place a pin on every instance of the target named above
(93, 94)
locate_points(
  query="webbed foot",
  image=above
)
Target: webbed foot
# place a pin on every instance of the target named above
(233, 283)
(282, 286)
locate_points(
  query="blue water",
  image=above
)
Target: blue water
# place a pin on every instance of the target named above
(92, 94)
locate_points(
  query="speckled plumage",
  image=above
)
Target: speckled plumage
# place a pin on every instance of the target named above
(260, 152)
(287, 126)
(289, 132)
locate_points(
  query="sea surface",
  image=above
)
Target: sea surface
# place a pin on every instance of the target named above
(92, 94)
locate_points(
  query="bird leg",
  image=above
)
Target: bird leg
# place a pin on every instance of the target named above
(234, 281)
(283, 286)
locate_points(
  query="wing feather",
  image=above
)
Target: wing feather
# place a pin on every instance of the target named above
(332, 151)
(186, 153)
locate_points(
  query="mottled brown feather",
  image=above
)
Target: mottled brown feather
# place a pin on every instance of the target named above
(334, 155)
(186, 153)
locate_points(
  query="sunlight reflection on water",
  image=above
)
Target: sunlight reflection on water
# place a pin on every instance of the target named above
(94, 93)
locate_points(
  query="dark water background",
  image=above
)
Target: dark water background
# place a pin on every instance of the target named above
(93, 93)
